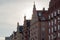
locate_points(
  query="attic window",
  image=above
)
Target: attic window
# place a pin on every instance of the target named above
(39, 14)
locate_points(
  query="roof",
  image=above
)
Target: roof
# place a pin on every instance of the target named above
(42, 14)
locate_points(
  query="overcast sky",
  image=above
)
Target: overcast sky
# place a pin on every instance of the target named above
(13, 11)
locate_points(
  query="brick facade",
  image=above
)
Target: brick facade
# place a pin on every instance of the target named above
(44, 25)
(54, 20)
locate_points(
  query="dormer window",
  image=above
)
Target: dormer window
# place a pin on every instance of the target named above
(39, 14)
(59, 35)
(55, 28)
(58, 27)
(49, 30)
(52, 29)
(55, 21)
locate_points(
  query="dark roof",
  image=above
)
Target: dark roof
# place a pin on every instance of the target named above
(39, 10)
(43, 14)
(20, 29)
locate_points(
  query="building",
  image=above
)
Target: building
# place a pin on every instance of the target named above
(54, 20)
(7, 38)
(14, 35)
(18, 35)
(26, 29)
(44, 25)
(11, 37)
(39, 24)
(19, 32)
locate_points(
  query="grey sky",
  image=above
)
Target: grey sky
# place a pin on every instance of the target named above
(13, 11)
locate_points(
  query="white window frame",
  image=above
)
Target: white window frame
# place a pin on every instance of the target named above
(58, 27)
(52, 29)
(49, 37)
(49, 30)
(39, 14)
(52, 15)
(55, 13)
(55, 21)
(58, 11)
(59, 35)
(58, 18)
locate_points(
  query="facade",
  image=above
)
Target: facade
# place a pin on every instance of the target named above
(44, 25)
(11, 37)
(26, 29)
(54, 20)
(39, 24)
(18, 35)
(19, 32)
(14, 35)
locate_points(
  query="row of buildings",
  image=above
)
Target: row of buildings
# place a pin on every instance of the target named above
(44, 25)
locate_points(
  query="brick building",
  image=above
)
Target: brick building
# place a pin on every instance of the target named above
(54, 20)
(18, 35)
(19, 32)
(44, 25)
(26, 29)
(39, 24)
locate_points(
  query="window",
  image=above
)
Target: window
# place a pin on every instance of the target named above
(52, 29)
(58, 18)
(58, 27)
(43, 28)
(39, 14)
(54, 13)
(55, 28)
(55, 21)
(49, 37)
(58, 34)
(49, 30)
(51, 14)
(32, 39)
(49, 23)
(58, 11)
(35, 37)
(34, 32)
(52, 22)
